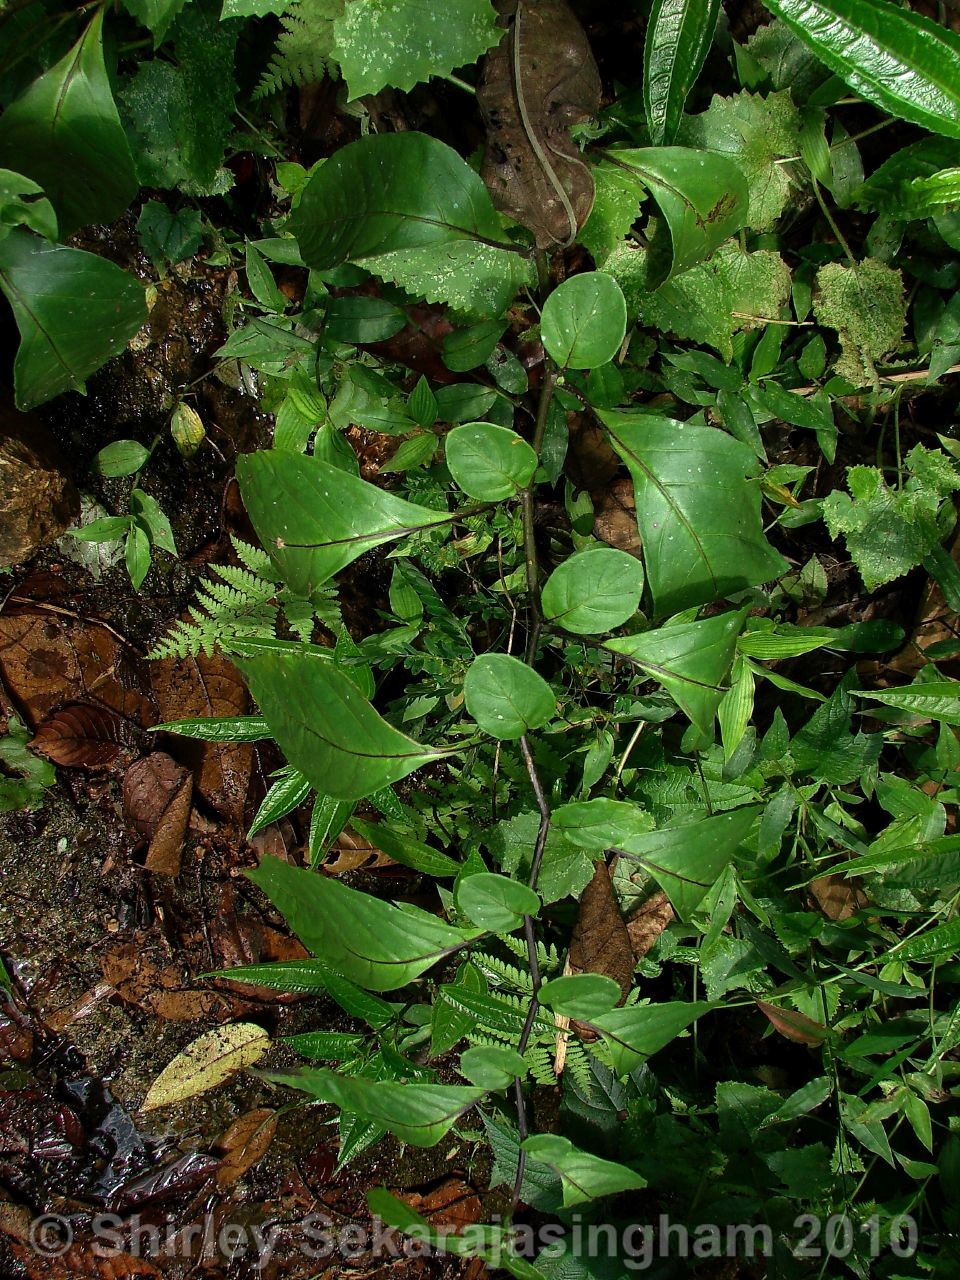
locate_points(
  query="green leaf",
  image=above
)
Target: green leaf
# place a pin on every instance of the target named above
(408, 852)
(218, 728)
(169, 237)
(944, 940)
(698, 509)
(32, 775)
(363, 319)
(690, 660)
(492, 1066)
(22, 203)
(156, 15)
(593, 591)
(581, 995)
(585, 1177)
(448, 1025)
(136, 554)
(465, 349)
(584, 321)
(703, 198)
(261, 282)
(289, 791)
(633, 1035)
(327, 729)
(278, 975)
(417, 1113)
(931, 699)
(601, 824)
(74, 311)
(906, 64)
(401, 42)
(757, 134)
(373, 943)
(121, 458)
(409, 208)
(315, 519)
(685, 859)
(489, 463)
(678, 38)
(154, 519)
(252, 8)
(106, 529)
(867, 306)
(506, 697)
(65, 133)
(494, 902)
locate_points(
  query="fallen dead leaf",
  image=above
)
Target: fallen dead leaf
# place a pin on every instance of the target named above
(207, 1062)
(148, 787)
(244, 1143)
(838, 897)
(37, 500)
(81, 736)
(647, 924)
(600, 941)
(165, 851)
(615, 516)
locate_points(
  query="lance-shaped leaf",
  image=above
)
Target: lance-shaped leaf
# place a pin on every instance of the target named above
(931, 699)
(902, 62)
(417, 1113)
(690, 660)
(207, 1062)
(65, 133)
(593, 591)
(315, 519)
(678, 39)
(327, 729)
(538, 82)
(633, 1035)
(698, 508)
(685, 860)
(372, 943)
(74, 311)
(702, 196)
(584, 1177)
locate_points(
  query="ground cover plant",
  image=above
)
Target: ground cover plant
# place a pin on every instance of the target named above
(657, 362)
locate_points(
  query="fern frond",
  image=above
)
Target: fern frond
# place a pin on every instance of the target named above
(304, 47)
(231, 603)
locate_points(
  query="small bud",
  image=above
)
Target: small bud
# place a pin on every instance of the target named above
(186, 427)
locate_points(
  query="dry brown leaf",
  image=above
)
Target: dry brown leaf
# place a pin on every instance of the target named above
(165, 851)
(244, 1143)
(615, 516)
(646, 925)
(837, 896)
(793, 1025)
(81, 736)
(37, 501)
(148, 787)
(450, 1207)
(600, 942)
(138, 979)
(536, 83)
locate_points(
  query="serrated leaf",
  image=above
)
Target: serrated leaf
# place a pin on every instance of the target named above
(678, 38)
(698, 509)
(593, 591)
(207, 1062)
(506, 697)
(407, 851)
(218, 728)
(372, 943)
(932, 699)
(157, 15)
(866, 305)
(289, 791)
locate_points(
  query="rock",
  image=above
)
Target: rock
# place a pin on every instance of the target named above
(37, 500)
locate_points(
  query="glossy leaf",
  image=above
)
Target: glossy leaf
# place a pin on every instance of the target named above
(315, 519)
(489, 463)
(121, 458)
(685, 859)
(218, 728)
(495, 902)
(904, 63)
(584, 321)
(327, 729)
(448, 1025)
(289, 791)
(407, 851)
(506, 697)
(593, 591)
(581, 995)
(584, 1176)
(22, 203)
(65, 133)
(278, 975)
(690, 659)
(633, 1035)
(930, 699)
(678, 38)
(74, 311)
(417, 1113)
(698, 508)
(378, 946)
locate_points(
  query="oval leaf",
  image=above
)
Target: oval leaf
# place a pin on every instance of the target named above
(634, 1034)
(584, 1176)
(581, 995)
(495, 902)
(506, 697)
(492, 1066)
(584, 321)
(489, 463)
(593, 591)
(207, 1062)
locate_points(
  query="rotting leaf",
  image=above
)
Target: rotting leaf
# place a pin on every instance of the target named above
(207, 1062)
(244, 1143)
(80, 736)
(538, 82)
(646, 925)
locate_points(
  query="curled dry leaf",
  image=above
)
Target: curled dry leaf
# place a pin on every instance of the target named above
(157, 796)
(837, 897)
(615, 517)
(538, 82)
(600, 942)
(244, 1143)
(81, 736)
(207, 1062)
(646, 925)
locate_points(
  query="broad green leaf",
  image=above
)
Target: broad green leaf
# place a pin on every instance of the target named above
(760, 135)
(327, 729)
(315, 519)
(401, 42)
(593, 591)
(407, 851)
(690, 660)
(678, 38)
(866, 304)
(585, 1177)
(506, 697)
(581, 995)
(207, 1062)
(22, 203)
(247, 8)
(147, 512)
(363, 319)
(65, 133)
(915, 182)
(584, 321)
(489, 463)
(597, 825)
(633, 1035)
(686, 859)
(417, 1113)
(703, 198)
(74, 311)
(372, 943)
(492, 1066)
(156, 15)
(466, 349)
(698, 509)
(261, 282)
(408, 207)
(933, 699)
(495, 902)
(902, 62)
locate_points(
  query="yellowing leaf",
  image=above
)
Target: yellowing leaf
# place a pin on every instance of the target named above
(207, 1062)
